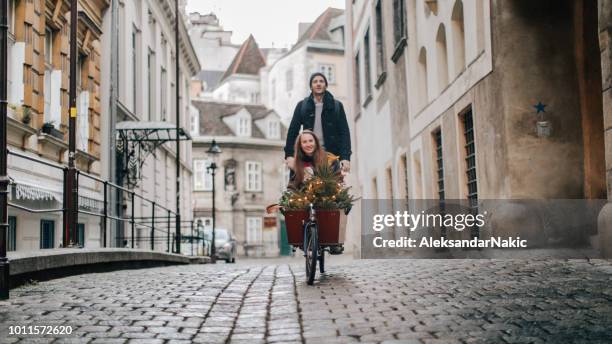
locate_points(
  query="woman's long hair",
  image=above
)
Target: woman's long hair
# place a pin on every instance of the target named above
(319, 156)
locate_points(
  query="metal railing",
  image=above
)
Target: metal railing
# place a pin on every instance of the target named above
(160, 225)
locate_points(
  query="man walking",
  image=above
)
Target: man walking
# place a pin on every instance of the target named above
(325, 116)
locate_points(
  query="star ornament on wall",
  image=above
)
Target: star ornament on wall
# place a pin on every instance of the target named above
(539, 107)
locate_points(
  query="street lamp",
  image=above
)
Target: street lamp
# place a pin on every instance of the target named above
(213, 151)
(4, 180)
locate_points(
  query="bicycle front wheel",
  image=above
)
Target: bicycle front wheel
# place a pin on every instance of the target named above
(311, 253)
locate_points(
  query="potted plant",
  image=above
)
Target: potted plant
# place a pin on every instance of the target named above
(26, 118)
(49, 129)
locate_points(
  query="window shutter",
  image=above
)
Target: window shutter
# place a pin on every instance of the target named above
(83, 121)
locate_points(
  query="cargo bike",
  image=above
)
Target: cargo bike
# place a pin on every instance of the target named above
(315, 231)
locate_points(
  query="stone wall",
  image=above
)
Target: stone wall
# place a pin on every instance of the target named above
(605, 43)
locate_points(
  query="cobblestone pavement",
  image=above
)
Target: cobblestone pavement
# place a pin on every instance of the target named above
(370, 301)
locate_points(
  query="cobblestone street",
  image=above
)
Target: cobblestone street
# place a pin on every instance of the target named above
(369, 301)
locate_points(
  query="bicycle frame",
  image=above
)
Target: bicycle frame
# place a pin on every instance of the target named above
(311, 220)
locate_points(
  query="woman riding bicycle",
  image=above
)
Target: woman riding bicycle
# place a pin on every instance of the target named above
(308, 154)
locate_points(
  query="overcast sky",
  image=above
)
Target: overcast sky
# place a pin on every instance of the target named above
(270, 21)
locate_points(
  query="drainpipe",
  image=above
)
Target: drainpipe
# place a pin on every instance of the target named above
(112, 166)
(178, 117)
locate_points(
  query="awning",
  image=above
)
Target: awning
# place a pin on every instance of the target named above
(136, 140)
(25, 191)
(150, 131)
(27, 194)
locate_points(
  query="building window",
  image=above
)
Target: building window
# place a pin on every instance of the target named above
(374, 195)
(289, 79)
(442, 58)
(380, 43)
(253, 173)
(81, 234)
(273, 130)
(83, 103)
(163, 80)
(406, 182)
(458, 34)
(244, 127)
(12, 234)
(47, 233)
(202, 178)
(423, 85)
(11, 17)
(437, 136)
(79, 72)
(470, 158)
(399, 20)
(47, 95)
(151, 85)
(254, 235)
(389, 190)
(255, 97)
(357, 80)
(329, 71)
(48, 47)
(134, 66)
(195, 121)
(366, 57)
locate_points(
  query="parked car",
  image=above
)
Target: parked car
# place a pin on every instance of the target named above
(225, 244)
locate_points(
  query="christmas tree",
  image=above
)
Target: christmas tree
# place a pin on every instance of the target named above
(324, 190)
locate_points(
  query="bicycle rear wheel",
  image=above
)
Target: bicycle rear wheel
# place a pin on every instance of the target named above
(311, 253)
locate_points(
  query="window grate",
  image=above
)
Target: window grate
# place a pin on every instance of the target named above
(440, 176)
(470, 159)
(439, 163)
(366, 57)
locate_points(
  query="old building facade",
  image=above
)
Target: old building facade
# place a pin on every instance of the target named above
(250, 175)
(320, 48)
(146, 98)
(39, 61)
(240, 83)
(214, 48)
(481, 114)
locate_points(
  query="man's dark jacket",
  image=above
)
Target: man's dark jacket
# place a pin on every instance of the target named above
(335, 127)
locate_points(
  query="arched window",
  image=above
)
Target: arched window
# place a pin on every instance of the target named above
(423, 94)
(442, 58)
(458, 32)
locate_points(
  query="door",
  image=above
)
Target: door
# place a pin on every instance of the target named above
(81, 234)
(12, 234)
(47, 233)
